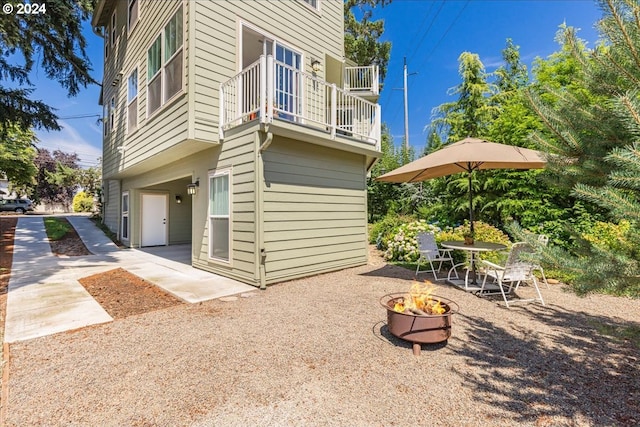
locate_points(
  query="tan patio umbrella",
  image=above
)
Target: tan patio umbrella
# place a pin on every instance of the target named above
(467, 155)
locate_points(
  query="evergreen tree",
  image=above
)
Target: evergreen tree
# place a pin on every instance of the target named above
(469, 115)
(381, 195)
(362, 37)
(593, 132)
(54, 38)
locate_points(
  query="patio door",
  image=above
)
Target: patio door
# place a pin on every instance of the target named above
(287, 81)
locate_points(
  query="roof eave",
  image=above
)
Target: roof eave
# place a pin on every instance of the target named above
(102, 13)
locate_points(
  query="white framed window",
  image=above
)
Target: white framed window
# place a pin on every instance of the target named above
(114, 31)
(106, 42)
(154, 76)
(124, 230)
(132, 101)
(313, 3)
(132, 14)
(173, 55)
(165, 63)
(219, 215)
(112, 113)
(105, 119)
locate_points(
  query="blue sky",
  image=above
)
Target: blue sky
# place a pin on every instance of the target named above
(430, 33)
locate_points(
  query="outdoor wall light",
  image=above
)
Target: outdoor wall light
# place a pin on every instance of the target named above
(315, 65)
(117, 79)
(191, 188)
(178, 199)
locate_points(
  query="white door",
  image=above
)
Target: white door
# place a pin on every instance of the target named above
(154, 220)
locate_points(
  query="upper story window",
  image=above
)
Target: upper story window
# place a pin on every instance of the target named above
(112, 113)
(313, 3)
(165, 64)
(105, 119)
(132, 101)
(106, 42)
(132, 14)
(114, 30)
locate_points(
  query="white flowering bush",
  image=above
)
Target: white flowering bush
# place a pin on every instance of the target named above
(402, 245)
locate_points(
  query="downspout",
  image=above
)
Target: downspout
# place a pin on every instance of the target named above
(262, 255)
(267, 141)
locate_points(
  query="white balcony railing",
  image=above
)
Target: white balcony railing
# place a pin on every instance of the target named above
(268, 90)
(362, 80)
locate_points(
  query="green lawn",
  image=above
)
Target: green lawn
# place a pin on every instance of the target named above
(56, 227)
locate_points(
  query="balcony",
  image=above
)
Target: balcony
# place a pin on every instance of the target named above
(362, 81)
(270, 90)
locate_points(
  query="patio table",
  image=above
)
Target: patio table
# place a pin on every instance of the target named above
(470, 284)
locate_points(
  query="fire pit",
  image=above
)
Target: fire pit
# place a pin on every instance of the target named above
(419, 316)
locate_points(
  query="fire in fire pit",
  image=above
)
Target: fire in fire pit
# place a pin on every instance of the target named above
(419, 316)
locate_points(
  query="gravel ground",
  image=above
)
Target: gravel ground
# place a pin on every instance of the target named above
(317, 352)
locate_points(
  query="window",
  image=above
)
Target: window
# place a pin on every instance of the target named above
(154, 85)
(132, 101)
(132, 14)
(165, 64)
(173, 55)
(106, 42)
(114, 31)
(112, 113)
(219, 224)
(124, 231)
(105, 119)
(312, 3)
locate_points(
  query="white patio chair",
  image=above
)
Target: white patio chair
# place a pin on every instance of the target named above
(542, 241)
(514, 272)
(430, 252)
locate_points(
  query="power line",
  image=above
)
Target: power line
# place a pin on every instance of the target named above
(455, 20)
(80, 116)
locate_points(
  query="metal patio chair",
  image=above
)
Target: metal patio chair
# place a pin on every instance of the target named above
(430, 252)
(515, 271)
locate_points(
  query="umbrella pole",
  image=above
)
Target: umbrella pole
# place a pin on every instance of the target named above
(471, 205)
(473, 260)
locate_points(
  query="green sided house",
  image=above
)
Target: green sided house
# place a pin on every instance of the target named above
(239, 128)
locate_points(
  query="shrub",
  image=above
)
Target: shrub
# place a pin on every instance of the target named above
(402, 245)
(82, 202)
(386, 227)
(609, 236)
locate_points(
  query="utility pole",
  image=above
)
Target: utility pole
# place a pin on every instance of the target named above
(406, 106)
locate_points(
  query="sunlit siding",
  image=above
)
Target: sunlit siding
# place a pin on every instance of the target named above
(238, 153)
(166, 126)
(217, 43)
(314, 209)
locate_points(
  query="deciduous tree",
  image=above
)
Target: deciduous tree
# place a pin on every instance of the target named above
(16, 157)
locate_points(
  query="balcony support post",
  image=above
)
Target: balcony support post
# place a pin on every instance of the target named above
(221, 113)
(334, 110)
(377, 127)
(262, 99)
(270, 89)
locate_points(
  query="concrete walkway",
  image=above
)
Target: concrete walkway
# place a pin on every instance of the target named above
(45, 296)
